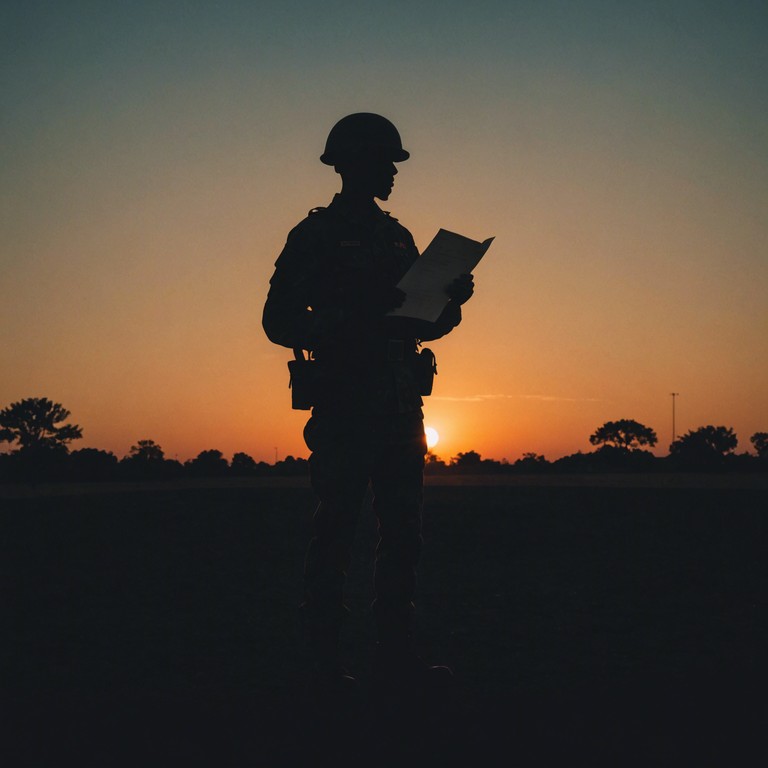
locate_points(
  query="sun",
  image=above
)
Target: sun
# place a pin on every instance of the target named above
(432, 437)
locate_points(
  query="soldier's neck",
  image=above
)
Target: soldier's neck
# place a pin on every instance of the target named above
(358, 202)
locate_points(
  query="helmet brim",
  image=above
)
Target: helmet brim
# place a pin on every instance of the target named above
(393, 154)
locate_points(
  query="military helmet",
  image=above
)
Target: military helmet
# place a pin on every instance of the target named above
(363, 132)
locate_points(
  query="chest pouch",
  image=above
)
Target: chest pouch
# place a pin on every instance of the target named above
(303, 381)
(425, 370)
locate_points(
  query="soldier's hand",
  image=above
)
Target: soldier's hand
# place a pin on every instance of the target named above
(390, 298)
(461, 289)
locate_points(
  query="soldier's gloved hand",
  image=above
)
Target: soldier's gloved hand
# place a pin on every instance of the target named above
(461, 289)
(389, 298)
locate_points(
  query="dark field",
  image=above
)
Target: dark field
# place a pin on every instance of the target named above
(605, 623)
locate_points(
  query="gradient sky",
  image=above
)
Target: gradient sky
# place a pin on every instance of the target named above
(155, 155)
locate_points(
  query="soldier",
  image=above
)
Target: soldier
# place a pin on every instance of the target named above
(333, 285)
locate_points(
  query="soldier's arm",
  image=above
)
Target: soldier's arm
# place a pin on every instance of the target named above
(449, 318)
(459, 292)
(287, 319)
(424, 330)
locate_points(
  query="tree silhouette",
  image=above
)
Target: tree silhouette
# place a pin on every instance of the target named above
(291, 466)
(92, 464)
(471, 462)
(146, 460)
(467, 461)
(32, 423)
(242, 465)
(146, 450)
(704, 446)
(209, 463)
(624, 433)
(760, 441)
(531, 462)
(433, 464)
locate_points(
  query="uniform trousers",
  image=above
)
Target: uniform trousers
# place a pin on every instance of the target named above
(351, 451)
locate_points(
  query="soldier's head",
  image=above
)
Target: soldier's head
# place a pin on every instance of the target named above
(363, 148)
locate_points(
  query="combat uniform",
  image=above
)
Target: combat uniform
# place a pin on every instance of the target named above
(330, 291)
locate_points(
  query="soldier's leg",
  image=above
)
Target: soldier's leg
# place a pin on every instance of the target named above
(397, 481)
(339, 478)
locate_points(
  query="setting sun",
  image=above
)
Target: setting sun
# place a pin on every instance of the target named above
(432, 437)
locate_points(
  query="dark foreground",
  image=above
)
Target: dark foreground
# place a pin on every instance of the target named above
(590, 625)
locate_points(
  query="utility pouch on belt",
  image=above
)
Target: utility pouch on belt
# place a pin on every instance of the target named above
(425, 369)
(302, 381)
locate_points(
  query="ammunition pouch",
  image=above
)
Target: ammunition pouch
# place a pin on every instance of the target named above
(303, 381)
(425, 370)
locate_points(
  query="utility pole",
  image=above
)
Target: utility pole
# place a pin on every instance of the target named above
(275, 454)
(674, 395)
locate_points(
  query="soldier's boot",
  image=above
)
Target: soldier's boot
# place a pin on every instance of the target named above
(330, 676)
(397, 666)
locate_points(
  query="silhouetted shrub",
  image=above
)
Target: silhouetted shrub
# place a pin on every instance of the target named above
(576, 462)
(38, 465)
(209, 463)
(291, 467)
(91, 464)
(760, 443)
(146, 462)
(242, 465)
(531, 463)
(612, 459)
(704, 448)
(434, 465)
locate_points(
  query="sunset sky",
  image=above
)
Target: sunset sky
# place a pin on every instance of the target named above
(155, 155)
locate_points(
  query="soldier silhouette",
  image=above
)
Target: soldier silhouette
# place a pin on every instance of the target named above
(333, 285)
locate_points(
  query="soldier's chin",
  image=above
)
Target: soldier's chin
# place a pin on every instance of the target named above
(384, 194)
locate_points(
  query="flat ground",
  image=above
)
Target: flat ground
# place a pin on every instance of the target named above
(613, 620)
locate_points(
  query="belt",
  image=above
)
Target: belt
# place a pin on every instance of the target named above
(389, 350)
(399, 349)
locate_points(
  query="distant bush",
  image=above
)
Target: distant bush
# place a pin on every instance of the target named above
(531, 463)
(291, 467)
(434, 465)
(471, 463)
(242, 465)
(760, 443)
(209, 463)
(704, 448)
(92, 464)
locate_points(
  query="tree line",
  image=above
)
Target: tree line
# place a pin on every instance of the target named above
(40, 439)
(34, 426)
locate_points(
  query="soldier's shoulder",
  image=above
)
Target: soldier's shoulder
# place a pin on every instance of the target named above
(303, 242)
(393, 221)
(396, 227)
(317, 220)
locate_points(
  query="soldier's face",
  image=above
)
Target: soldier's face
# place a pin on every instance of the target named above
(373, 176)
(383, 178)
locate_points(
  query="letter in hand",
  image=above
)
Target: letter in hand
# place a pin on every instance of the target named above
(461, 289)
